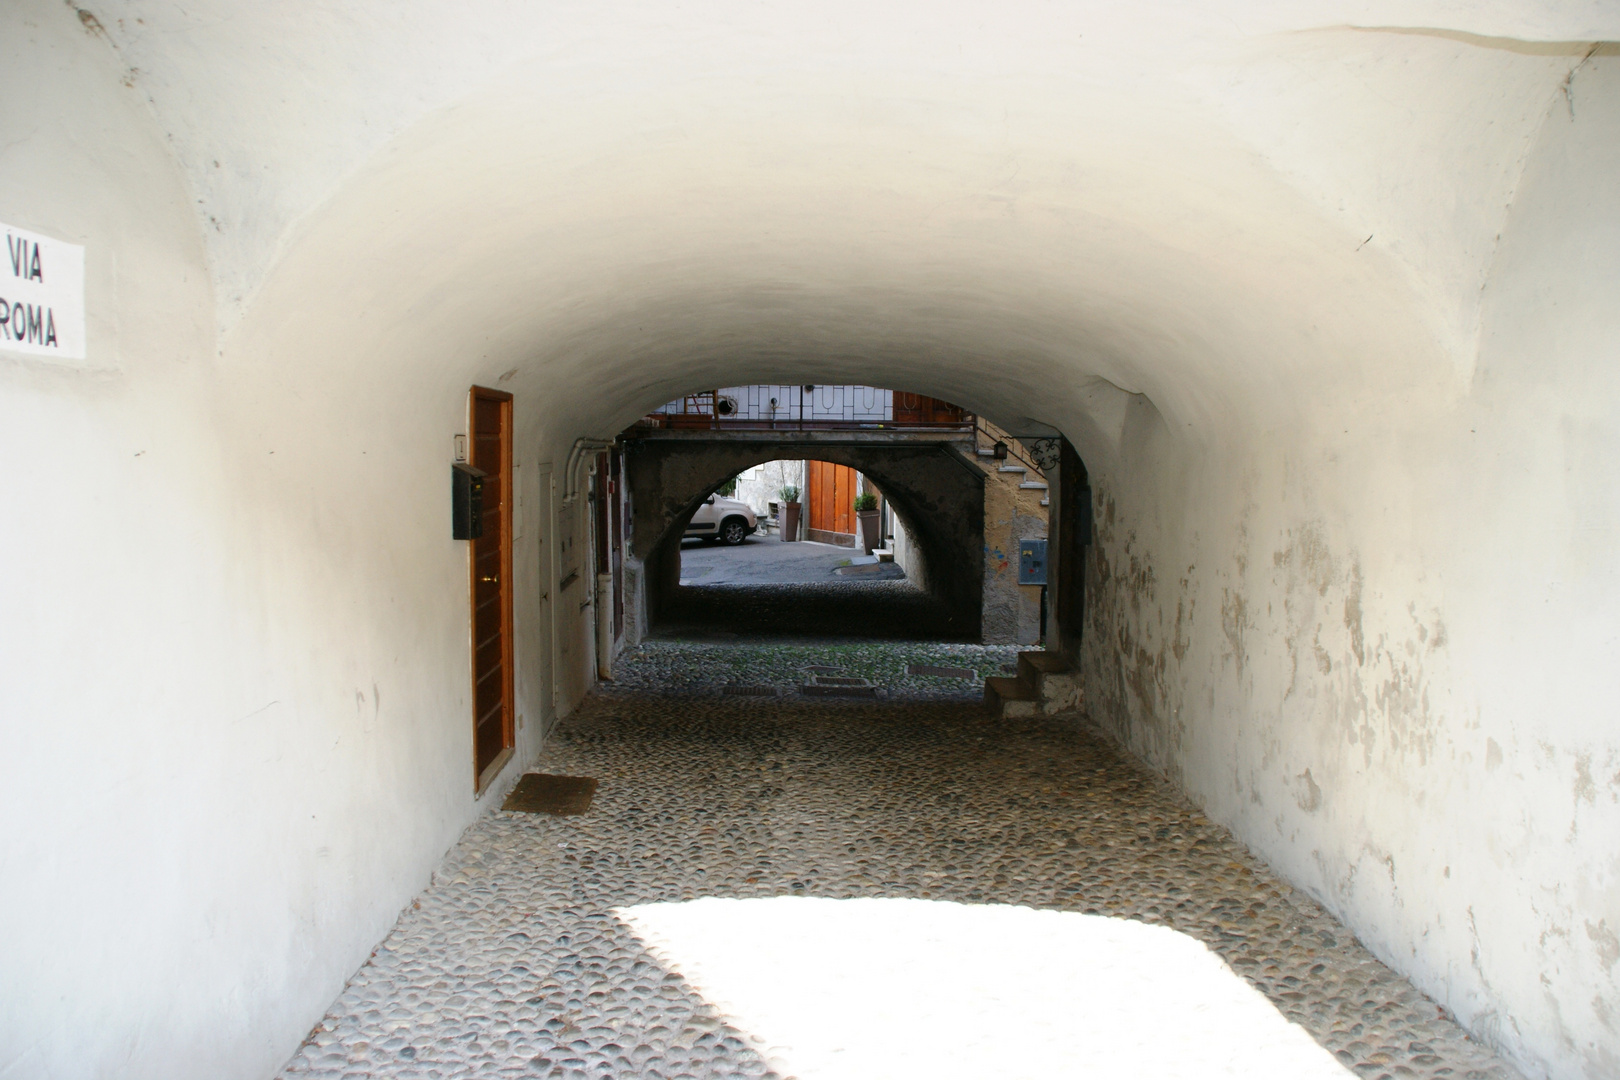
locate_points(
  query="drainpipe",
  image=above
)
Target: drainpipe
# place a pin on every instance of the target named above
(585, 449)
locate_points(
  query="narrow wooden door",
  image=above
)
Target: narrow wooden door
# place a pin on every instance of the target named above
(491, 564)
(832, 497)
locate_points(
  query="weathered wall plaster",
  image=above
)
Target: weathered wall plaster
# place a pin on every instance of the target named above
(1012, 612)
(1328, 312)
(1363, 645)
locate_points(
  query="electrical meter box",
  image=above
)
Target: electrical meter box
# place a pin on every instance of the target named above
(466, 501)
(1032, 562)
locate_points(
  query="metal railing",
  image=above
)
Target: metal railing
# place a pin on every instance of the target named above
(707, 410)
(1015, 449)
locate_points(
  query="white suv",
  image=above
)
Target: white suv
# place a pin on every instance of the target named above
(723, 519)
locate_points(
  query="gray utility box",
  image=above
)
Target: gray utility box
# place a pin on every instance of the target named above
(1032, 562)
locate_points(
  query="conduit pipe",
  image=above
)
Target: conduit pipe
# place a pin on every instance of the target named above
(583, 446)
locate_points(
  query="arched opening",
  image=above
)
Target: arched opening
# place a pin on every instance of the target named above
(1322, 301)
(946, 495)
(803, 548)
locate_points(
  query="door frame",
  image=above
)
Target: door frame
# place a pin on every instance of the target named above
(547, 623)
(483, 778)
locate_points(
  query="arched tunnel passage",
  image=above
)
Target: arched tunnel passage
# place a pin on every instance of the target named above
(1297, 284)
(931, 486)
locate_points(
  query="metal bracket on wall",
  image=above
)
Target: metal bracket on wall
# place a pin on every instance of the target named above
(1046, 452)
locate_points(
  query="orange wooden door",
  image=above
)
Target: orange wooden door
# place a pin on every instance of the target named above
(491, 564)
(832, 497)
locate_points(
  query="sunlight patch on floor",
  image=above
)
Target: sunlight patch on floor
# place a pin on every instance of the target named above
(878, 988)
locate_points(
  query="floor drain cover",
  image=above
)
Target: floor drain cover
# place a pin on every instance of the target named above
(749, 691)
(942, 672)
(832, 686)
(539, 793)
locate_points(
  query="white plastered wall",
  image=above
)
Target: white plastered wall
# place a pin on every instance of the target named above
(234, 675)
(1353, 454)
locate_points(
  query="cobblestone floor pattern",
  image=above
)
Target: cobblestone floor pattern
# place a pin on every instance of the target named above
(707, 668)
(512, 962)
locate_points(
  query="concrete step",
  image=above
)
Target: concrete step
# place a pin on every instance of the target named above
(1033, 485)
(884, 554)
(1055, 682)
(1013, 469)
(1046, 502)
(1045, 685)
(1007, 697)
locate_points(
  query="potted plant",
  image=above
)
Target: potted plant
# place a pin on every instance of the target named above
(866, 512)
(790, 513)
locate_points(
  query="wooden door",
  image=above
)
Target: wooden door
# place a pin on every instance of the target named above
(832, 497)
(919, 409)
(491, 565)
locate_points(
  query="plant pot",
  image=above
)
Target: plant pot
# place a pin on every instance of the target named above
(871, 525)
(790, 522)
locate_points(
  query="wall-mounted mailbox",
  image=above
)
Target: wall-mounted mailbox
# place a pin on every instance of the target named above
(466, 501)
(1032, 562)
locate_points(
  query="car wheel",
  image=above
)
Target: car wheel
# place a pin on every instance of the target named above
(734, 530)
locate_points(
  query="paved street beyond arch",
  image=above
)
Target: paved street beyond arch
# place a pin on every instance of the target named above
(790, 886)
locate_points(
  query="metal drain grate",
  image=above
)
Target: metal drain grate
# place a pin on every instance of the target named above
(542, 793)
(942, 672)
(749, 691)
(832, 686)
(818, 670)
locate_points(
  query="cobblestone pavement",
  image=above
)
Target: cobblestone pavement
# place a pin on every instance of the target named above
(519, 960)
(710, 668)
(765, 560)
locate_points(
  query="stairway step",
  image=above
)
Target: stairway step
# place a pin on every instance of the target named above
(1012, 468)
(1033, 485)
(1055, 682)
(1006, 697)
(1046, 502)
(1040, 661)
(1012, 688)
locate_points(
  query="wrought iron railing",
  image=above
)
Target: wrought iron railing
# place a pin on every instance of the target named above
(1015, 450)
(767, 407)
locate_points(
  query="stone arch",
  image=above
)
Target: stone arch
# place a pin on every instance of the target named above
(932, 486)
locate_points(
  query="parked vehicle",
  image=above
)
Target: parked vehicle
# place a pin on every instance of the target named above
(723, 520)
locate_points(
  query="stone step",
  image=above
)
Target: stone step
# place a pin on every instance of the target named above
(1006, 697)
(1046, 502)
(1032, 485)
(1057, 683)
(1045, 685)
(1013, 469)
(884, 554)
